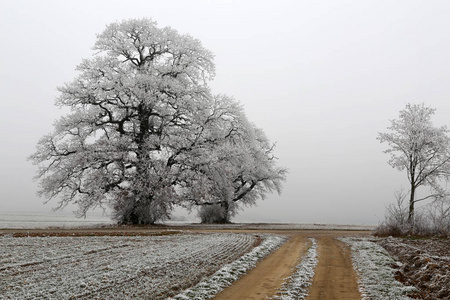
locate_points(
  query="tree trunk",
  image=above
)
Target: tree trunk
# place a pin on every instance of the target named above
(215, 214)
(138, 211)
(411, 205)
(226, 212)
(141, 211)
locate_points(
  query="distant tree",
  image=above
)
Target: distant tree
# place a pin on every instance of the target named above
(420, 148)
(143, 122)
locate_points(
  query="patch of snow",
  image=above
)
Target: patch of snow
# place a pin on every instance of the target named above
(374, 267)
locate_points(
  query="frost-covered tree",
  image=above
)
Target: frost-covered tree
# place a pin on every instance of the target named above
(420, 148)
(237, 169)
(142, 119)
(133, 104)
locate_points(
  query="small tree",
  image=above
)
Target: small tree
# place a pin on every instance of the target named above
(395, 222)
(420, 148)
(241, 178)
(439, 214)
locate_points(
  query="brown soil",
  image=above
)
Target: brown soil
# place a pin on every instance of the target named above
(425, 264)
(334, 279)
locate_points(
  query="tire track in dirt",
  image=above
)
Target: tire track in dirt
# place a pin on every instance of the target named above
(269, 274)
(334, 277)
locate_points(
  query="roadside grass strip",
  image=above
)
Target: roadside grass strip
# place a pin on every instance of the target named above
(212, 285)
(296, 286)
(373, 265)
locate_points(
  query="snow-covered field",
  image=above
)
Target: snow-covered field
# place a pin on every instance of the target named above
(150, 267)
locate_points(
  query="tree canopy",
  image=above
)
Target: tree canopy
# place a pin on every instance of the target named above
(145, 132)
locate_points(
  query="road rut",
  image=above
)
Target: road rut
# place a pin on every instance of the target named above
(334, 277)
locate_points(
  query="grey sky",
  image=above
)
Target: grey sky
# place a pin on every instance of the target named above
(321, 78)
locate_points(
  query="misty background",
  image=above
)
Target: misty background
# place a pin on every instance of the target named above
(321, 78)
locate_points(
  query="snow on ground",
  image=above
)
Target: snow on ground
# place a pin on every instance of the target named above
(144, 267)
(296, 286)
(209, 287)
(374, 266)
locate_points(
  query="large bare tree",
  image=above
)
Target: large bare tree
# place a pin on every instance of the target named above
(421, 149)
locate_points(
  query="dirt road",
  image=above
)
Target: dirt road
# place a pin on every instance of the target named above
(334, 276)
(269, 274)
(334, 279)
